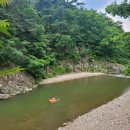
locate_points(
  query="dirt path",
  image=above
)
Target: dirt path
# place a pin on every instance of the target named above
(114, 115)
(69, 76)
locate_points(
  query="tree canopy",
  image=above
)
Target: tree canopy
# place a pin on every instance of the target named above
(122, 9)
(46, 32)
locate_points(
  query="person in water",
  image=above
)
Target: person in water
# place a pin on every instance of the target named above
(53, 100)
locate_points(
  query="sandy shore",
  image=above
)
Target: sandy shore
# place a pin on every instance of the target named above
(114, 115)
(69, 76)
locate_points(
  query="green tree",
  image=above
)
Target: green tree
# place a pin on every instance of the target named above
(4, 24)
(47, 32)
(122, 9)
(4, 29)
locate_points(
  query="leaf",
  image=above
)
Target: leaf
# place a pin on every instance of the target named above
(5, 2)
(4, 24)
(1, 45)
(11, 71)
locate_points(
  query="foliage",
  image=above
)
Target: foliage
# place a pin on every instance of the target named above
(4, 2)
(4, 24)
(58, 70)
(127, 70)
(44, 33)
(10, 71)
(122, 9)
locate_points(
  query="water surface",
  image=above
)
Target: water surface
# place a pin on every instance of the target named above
(32, 111)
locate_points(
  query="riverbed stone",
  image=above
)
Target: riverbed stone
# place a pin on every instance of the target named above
(4, 96)
(1, 86)
(26, 89)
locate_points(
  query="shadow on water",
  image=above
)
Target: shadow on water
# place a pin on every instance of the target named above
(32, 111)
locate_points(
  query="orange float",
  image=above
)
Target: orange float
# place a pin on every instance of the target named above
(52, 100)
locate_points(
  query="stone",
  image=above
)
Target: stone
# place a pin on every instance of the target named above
(65, 124)
(1, 86)
(4, 96)
(26, 89)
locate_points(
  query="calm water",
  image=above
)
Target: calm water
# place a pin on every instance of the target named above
(33, 112)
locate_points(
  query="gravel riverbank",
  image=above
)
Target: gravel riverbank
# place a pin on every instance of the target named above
(114, 115)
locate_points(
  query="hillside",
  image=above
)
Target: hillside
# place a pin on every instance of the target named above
(54, 37)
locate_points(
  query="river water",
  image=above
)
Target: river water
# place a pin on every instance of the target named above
(32, 111)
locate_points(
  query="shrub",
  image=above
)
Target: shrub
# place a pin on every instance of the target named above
(35, 67)
(58, 70)
(127, 70)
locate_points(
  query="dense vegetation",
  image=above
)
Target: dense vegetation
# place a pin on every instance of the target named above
(47, 32)
(122, 9)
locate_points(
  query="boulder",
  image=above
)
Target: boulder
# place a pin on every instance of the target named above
(4, 96)
(27, 89)
(1, 86)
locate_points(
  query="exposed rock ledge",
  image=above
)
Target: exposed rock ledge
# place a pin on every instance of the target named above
(16, 84)
(114, 115)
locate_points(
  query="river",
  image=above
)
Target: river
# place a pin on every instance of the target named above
(32, 111)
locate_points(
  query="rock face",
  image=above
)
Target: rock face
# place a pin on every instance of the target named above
(87, 65)
(23, 82)
(115, 69)
(16, 84)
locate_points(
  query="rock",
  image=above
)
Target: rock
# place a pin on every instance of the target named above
(1, 86)
(4, 96)
(16, 84)
(115, 69)
(26, 89)
(64, 124)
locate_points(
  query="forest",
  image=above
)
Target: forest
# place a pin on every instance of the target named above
(40, 34)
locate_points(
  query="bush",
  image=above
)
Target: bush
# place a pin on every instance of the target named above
(58, 70)
(35, 67)
(68, 69)
(122, 61)
(127, 70)
(84, 52)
